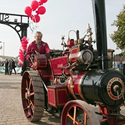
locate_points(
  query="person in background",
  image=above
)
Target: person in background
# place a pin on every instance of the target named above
(37, 46)
(120, 66)
(6, 67)
(10, 67)
(13, 65)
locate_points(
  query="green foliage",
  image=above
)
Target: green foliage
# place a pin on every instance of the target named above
(119, 36)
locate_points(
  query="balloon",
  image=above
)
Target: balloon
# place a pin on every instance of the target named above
(36, 18)
(28, 11)
(21, 58)
(24, 40)
(34, 5)
(21, 52)
(42, 1)
(41, 10)
(24, 46)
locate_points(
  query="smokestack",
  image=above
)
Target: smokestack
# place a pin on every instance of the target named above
(101, 34)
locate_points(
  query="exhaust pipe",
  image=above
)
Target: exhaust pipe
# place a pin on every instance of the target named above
(101, 34)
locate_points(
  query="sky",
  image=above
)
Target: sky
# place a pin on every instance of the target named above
(61, 16)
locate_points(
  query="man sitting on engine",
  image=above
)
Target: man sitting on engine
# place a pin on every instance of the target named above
(37, 46)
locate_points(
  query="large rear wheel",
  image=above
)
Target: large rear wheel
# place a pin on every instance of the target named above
(32, 92)
(77, 112)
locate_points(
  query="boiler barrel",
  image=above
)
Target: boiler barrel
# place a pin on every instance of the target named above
(103, 87)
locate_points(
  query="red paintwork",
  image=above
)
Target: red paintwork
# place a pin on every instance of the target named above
(58, 63)
(40, 61)
(74, 85)
(53, 67)
(74, 54)
(51, 97)
(45, 74)
(70, 43)
(77, 82)
(57, 95)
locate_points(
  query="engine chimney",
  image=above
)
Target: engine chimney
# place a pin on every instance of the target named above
(101, 36)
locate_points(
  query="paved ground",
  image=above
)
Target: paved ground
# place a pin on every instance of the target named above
(11, 112)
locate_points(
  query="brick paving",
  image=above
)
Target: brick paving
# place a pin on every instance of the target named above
(11, 111)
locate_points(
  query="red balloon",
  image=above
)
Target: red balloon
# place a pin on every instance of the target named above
(21, 57)
(24, 46)
(36, 18)
(42, 1)
(41, 10)
(24, 38)
(24, 42)
(28, 11)
(20, 50)
(34, 5)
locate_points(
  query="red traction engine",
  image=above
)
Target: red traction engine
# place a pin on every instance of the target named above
(76, 81)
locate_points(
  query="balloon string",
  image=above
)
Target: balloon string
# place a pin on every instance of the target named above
(33, 26)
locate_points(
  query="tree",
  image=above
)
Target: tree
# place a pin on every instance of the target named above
(119, 36)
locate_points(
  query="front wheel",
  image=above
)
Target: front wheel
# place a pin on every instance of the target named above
(77, 112)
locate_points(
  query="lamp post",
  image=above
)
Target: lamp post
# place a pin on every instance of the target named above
(3, 47)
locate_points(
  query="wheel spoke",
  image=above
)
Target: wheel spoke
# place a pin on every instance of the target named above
(27, 85)
(85, 118)
(30, 82)
(31, 109)
(74, 117)
(70, 116)
(32, 104)
(29, 105)
(26, 108)
(31, 94)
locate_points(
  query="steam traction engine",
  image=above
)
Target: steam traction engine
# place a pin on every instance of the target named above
(78, 77)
